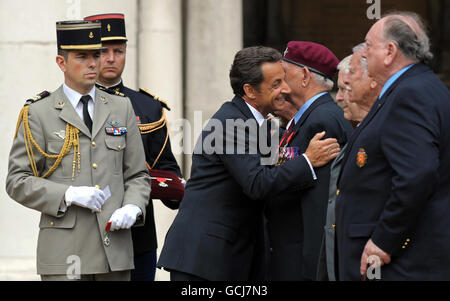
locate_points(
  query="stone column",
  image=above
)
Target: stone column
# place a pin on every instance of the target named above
(214, 33)
(160, 70)
(160, 53)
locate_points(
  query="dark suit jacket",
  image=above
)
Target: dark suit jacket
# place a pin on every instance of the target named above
(214, 233)
(149, 110)
(400, 196)
(296, 221)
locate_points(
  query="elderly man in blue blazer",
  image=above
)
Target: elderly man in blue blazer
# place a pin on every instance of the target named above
(393, 203)
(295, 221)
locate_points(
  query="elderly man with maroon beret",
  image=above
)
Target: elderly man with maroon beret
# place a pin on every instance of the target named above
(296, 221)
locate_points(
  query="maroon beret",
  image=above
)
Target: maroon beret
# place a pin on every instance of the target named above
(166, 185)
(316, 57)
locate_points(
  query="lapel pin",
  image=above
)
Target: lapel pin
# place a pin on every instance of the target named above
(61, 134)
(60, 104)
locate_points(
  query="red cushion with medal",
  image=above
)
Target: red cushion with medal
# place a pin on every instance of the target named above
(166, 185)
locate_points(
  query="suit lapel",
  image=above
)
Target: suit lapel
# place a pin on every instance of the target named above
(418, 68)
(242, 106)
(318, 102)
(68, 113)
(373, 111)
(101, 112)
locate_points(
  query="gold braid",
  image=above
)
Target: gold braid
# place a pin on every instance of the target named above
(72, 139)
(148, 128)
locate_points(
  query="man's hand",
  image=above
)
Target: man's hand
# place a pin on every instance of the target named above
(125, 217)
(369, 250)
(85, 196)
(320, 152)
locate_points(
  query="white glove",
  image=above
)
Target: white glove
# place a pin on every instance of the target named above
(125, 217)
(85, 196)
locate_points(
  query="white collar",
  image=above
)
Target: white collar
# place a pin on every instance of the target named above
(258, 116)
(289, 123)
(74, 96)
(107, 87)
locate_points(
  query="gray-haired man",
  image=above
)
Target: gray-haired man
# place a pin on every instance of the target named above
(393, 202)
(356, 93)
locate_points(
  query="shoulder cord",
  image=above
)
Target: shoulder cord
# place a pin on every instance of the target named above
(148, 128)
(72, 139)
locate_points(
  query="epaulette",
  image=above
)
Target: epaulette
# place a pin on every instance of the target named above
(38, 97)
(113, 92)
(163, 103)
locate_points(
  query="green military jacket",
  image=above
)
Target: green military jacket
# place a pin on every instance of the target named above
(105, 159)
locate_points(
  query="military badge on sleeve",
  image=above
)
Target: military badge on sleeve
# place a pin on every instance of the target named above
(361, 157)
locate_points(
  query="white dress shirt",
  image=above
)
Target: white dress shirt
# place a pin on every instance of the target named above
(74, 98)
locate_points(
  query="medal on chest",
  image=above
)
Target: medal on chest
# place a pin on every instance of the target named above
(106, 240)
(361, 157)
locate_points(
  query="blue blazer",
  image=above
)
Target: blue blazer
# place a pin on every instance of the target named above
(215, 233)
(295, 221)
(394, 186)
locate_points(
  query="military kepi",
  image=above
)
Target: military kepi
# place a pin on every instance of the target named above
(113, 26)
(79, 35)
(317, 58)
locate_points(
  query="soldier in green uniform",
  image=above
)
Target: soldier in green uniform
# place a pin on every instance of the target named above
(76, 159)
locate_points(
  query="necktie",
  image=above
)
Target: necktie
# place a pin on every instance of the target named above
(287, 132)
(87, 119)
